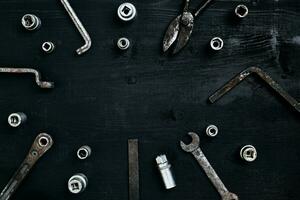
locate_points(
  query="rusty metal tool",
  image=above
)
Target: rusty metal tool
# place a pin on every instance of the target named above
(39, 82)
(181, 27)
(85, 35)
(40, 146)
(264, 76)
(209, 171)
(133, 169)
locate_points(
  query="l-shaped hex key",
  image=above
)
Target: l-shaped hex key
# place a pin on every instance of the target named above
(39, 82)
(85, 35)
(264, 76)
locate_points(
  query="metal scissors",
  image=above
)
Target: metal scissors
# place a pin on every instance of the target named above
(181, 28)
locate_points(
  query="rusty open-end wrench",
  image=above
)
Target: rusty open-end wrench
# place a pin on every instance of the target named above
(210, 172)
(41, 144)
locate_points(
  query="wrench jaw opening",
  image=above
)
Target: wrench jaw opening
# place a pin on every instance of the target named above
(230, 196)
(193, 145)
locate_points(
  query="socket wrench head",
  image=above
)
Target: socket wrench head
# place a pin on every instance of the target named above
(16, 119)
(31, 22)
(248, 153)
(212, 131)
(126, 11)
(123, 43)
(241, 11)
(216, 43)
(48, 47)
(77, 183)
(84, 152)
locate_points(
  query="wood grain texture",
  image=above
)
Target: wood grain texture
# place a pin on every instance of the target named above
(105, 97)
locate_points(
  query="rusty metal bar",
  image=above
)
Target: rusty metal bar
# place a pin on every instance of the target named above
(37, 74)
(133, 169)
(264, 76)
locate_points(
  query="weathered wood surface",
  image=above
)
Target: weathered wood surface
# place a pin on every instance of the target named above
(105, 97)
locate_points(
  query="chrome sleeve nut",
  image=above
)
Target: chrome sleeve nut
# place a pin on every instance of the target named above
(126, 11)
(216, 43)
(212, 131)
(84, 152)
(77, 183)
(165, 170)
(123, 43)
(48, 47)
(31, 22)
(248, 153)
(241, 11)
(16, 119)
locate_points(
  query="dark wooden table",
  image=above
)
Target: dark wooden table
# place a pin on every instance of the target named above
(105, 97)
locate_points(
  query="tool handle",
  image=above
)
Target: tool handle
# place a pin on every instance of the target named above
(41, 144)
(186, 5)
(210, 172)
(15, 181)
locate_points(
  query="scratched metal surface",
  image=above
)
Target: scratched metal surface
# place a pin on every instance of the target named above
(105, 97)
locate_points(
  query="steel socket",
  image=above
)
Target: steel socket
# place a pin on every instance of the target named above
(48, 47)
(165, 171)
(241, 11)
(16, 119)
(123, 43)
(77, 183)
(248, 153)
(216, 43)
(84, 152)
(212, 131)
(31, 22)
(127, 11)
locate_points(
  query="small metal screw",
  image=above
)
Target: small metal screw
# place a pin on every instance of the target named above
(48, 47)
(241, 11)
(123, 43)
(126, 11)
(216, 43)
(212, 131)
(248, 153)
